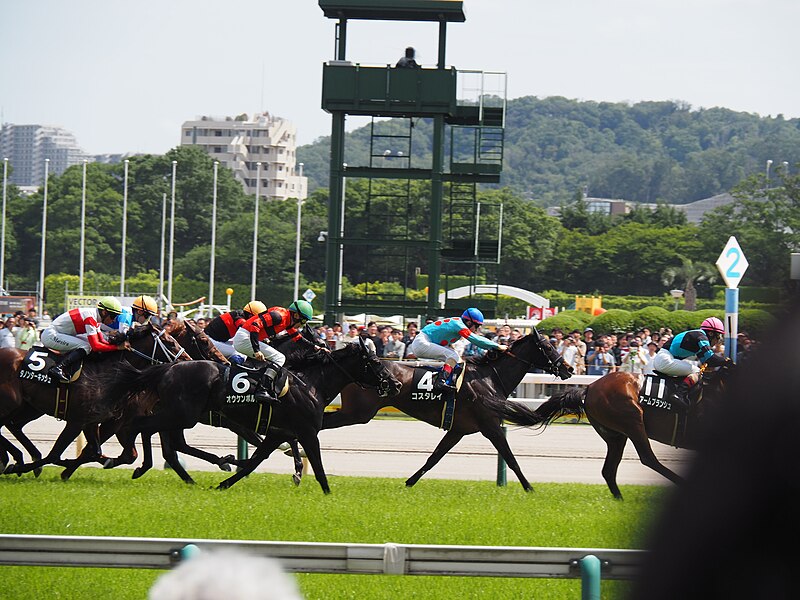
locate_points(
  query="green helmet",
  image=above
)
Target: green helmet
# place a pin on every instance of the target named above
(110, 304)
(302, 308)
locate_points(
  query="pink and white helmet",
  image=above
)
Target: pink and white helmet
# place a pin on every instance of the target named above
(713, 324)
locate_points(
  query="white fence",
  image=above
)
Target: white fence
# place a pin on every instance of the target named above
(313, 557)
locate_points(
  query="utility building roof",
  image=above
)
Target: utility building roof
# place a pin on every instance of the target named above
(395, 10)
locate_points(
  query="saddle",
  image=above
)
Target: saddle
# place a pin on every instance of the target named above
(241, 383)
(425, 374)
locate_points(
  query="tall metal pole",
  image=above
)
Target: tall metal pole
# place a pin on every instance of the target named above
(255, 232)
(44, 235)
(83, 229)
(171, 235)
(213, 241)
(769, 164)
(124, 230)
(3, 232)
(163, 240)
(297, 242)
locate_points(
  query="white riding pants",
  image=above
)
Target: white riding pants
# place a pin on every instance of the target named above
(423, 347)
(63, 342)
(241, 343)
(225, 348)
(667, 364)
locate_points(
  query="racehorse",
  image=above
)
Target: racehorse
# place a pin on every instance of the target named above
(89, 402)
(481, 402)
(200, 347)
(612, 406)
(189, 390)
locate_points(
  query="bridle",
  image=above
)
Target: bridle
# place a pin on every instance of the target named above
(373, 366)
(553, 365)
(159, 345)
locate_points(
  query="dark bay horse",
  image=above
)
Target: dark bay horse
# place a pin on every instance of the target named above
(189, 390)
(481, 402)
(89, 402)
(612, 406)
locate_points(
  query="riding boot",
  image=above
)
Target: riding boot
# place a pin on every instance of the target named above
(680, 395)
(452, 381)
(64, 370)
(265, 393)
(441, 382)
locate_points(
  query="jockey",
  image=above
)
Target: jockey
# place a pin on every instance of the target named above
(77, 333)
(141, 311)
(435, 341)
(694, 342)
(252, 337)
(223, 327)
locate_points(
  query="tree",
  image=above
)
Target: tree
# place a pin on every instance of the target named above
(688, 274)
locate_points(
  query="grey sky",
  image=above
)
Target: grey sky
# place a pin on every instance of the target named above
(123, 76)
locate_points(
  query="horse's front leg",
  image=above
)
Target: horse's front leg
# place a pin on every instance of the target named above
(450, 439)
(263, 450)
(494, 433)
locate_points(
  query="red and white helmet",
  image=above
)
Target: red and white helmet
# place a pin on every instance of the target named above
(713, 324)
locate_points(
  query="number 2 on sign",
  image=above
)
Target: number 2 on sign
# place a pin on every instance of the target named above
(736, 256)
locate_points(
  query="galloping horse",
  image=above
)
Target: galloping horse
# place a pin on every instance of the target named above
(191, 389)
(89, 402)
(481, 402)
(612, 406)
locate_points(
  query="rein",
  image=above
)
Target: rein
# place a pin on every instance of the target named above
(159, 344)
(383, 382)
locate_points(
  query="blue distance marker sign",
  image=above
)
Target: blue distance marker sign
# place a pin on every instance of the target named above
(732, 264)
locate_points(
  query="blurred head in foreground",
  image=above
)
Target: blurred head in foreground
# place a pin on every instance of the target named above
(731, 531)
(225, 575)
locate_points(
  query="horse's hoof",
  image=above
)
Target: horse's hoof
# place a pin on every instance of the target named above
(137, 472)
(296, 479)
(65, 474)
(37, 471)
(109, 463)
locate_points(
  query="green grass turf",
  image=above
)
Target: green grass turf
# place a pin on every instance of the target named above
(360, 510)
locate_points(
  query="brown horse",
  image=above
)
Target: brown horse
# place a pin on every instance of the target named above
(481, 403)
(612, 406)
(22, 400)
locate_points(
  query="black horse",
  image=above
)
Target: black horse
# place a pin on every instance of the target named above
(481, 402)
(612, 406)
(89, 401)
(189, 390)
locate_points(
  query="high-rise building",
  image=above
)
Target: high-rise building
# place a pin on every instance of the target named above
(240, 143)
(27, 147)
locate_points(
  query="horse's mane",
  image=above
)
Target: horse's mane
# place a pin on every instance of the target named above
(139, 331)
(486, 357)
(178, 326)
(306, 356)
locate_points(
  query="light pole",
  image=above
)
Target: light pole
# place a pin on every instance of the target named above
(163, 240)
(44, 235)
(297, 241)
(677, 294)
(785, 168)
(3, 233)
(769, 164)
(213, 241)
(124, 230)
(255, 233)
(171, 235)
(83, 229)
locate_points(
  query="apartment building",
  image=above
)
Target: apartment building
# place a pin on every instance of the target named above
(27, 147)
(241, 143)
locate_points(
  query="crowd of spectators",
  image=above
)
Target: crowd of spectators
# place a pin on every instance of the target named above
(21, 330)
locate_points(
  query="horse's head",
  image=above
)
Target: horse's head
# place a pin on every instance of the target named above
(545, 357)
(368, 370)
(155, 345)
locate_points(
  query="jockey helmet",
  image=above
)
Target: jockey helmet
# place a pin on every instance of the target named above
(254, 307)
(302, 308)
(110, 304)
(145, 304)
(713, 324)
(474, 315)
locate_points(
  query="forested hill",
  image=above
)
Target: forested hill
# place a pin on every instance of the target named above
(646, 152)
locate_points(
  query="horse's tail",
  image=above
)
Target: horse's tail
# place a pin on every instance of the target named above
(562, 405)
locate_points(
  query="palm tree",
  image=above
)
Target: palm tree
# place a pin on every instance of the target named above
(688, 274)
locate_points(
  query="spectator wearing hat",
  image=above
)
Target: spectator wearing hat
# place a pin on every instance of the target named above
(588, 339)
(27, 335)
(652, 349)
(599, 360)
(580, 347)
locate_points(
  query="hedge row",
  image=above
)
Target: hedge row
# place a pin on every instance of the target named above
(753, 321)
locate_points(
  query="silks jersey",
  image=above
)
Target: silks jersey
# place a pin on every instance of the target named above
(225, 326)
(694, 343)
(447, 331)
